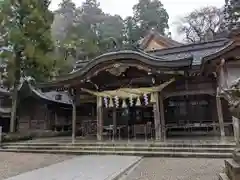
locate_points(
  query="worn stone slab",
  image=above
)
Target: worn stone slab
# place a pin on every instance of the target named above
(82, 167)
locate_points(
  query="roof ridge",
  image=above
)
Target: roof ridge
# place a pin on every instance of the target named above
(167, 38)
(225, 40)
(154, 33)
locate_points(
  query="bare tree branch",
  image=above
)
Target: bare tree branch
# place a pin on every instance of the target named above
(202, 24)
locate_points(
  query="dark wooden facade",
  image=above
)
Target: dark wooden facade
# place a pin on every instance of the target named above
(5, 110)
(50, 110)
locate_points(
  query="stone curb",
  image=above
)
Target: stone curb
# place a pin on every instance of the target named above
(116, 176)
(128, 153)
(223, 176)
(127, 172)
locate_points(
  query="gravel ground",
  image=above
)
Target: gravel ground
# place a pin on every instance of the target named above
(176, 169)
(12, 164)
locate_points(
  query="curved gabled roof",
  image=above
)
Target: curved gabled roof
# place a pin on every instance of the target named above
(142, 57)
(50, 96)
(120, 56)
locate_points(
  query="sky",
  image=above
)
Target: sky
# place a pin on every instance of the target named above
(175, 8)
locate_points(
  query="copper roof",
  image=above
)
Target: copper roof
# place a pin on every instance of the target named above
(153, 34)
(197, 50)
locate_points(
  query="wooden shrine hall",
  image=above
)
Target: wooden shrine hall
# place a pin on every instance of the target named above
(162, 89)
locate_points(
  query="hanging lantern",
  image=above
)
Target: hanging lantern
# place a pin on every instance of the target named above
(124, 104)
(116, 101)
(145, 97)
(105, 101)
(153, 98)
(138, 103)
(131, 100)
(111, 102)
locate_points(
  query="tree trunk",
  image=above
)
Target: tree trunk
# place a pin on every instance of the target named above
(14, 109)
(15, 92)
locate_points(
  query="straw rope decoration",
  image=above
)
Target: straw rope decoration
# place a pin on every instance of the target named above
(129, 93)
(138, 103)
(105, 101)
(124, 104)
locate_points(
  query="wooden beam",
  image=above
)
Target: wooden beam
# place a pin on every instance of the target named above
(127, 82)
(189, 92)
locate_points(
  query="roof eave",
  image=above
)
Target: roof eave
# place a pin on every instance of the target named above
(171, 65)
(228, 47)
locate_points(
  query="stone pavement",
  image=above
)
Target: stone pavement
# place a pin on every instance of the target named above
(82, 167)
(176, 169)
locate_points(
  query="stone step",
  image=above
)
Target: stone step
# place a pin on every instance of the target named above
(223, 176)
(142, 144)
(236, 155)
(232, 169)
(135, 153)
(123, 148)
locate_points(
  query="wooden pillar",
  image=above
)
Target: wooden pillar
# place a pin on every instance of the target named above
(221, 84)
(114, 121)
(46, 118)
(236, 129)
(99, 119)
(162, 117)
(156, 111)
(214, 119)
(72, 92)
(74, 112)
(55, 120)
(220, 116)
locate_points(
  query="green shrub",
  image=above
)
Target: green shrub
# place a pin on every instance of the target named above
(23, 136)
(12, 137)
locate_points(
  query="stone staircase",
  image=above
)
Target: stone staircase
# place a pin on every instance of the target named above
(208, 150)
(232, 168)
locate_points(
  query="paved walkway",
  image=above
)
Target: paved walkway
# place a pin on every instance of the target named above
(176, 169)
(82, 167)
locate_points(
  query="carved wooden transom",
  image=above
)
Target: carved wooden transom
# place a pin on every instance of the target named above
(119, 69)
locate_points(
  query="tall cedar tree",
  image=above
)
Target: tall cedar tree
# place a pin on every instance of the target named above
(26, 33)
(232, 10)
